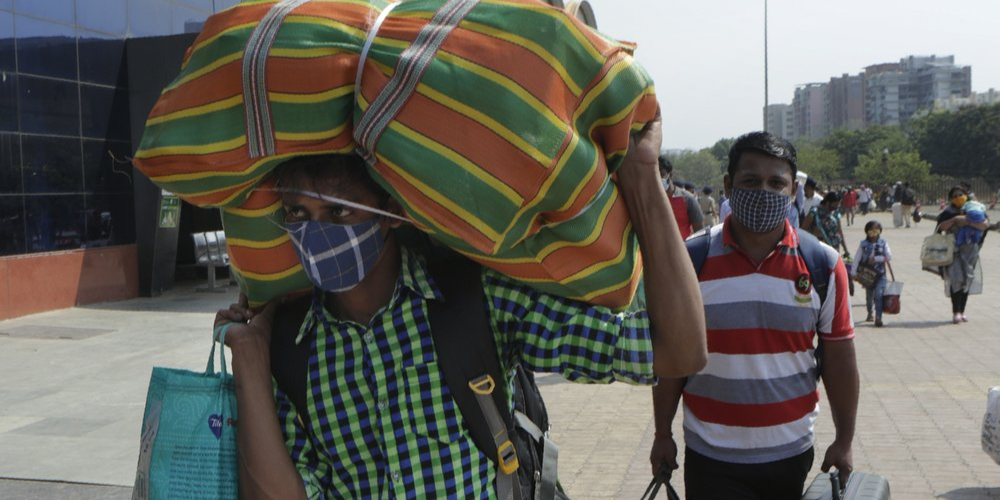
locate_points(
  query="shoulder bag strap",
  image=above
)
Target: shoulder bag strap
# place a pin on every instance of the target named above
(468, 358)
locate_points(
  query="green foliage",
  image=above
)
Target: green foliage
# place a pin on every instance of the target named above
(820, 163)
(700, 167)
(875, 168)
(850, 145)
(962, 144)
(720, 150)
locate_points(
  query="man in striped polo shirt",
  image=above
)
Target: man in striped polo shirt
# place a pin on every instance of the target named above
(749, 414)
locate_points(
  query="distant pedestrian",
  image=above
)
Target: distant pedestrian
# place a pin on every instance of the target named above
(823, 221)
(963, 276)
(685, 205)
(875, 253)
(709, 208)
(850, 204)
(812, 197)
(907, 198)
(864, 199)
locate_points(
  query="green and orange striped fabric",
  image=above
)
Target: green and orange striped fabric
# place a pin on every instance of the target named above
(505, 150)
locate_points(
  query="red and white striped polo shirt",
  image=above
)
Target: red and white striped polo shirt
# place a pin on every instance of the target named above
(757, 401)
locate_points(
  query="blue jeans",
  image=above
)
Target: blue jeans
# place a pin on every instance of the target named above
(875, 294)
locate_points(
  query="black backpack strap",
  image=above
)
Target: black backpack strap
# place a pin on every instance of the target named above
(467, 353)
(697, 247)
(290, 362)
(819, 272)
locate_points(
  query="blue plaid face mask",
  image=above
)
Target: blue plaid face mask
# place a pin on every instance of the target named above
(336, 257)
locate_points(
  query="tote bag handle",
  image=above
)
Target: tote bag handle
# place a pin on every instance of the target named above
(218, 335)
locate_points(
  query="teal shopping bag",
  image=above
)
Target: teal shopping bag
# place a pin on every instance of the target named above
(188, 443)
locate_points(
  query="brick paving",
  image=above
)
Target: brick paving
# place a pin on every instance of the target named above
(71, 404)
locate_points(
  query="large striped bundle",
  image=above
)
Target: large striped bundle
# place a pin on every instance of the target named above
(503, 151)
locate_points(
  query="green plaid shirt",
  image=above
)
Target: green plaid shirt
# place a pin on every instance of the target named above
(382, 422)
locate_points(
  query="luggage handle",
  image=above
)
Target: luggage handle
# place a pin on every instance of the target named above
(836, 491)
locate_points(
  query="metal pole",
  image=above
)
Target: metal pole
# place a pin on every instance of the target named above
(765, 67)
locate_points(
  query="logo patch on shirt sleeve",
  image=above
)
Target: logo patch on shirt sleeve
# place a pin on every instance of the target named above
(803, 289)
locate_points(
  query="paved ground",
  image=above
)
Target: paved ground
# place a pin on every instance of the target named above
(74, 384)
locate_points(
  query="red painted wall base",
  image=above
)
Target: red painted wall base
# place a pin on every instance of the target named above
(43, 282)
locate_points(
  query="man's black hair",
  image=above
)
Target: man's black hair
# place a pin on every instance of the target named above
(762, 142)
(831, 197)
(312, 171)
(811, 183)
(707, 190)
(665, 166)
(957, 190)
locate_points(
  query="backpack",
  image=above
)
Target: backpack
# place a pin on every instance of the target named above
(812, 253)
(908, 197)
(467, 355)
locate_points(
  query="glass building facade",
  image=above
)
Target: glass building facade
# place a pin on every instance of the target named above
(65, 132)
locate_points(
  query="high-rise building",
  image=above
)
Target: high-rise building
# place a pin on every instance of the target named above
(77, 80)
(954, 103)
(809, 110)
(895, 92)
(845, 103)
(779, 120)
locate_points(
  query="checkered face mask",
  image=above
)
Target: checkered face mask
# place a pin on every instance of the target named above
(759, 210)
(336, 257)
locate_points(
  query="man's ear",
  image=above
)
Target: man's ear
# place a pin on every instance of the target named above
(392, 206)
(727, 185)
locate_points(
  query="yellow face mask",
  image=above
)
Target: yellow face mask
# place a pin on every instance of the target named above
(874, 233)
(959, 200)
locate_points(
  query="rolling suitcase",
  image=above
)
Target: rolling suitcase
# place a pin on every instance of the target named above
(860, 486)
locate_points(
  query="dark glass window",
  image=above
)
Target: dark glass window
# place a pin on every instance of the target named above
(10, 164)
(51, 164)
(188, 20)
(110, 220)
(54, 222)
(49, 106)
(11, 225)
(56, 10)
(105, 112)
(45, 48)
(8, 102)
(102, 60)
(106, 16)
(6, 42)
(149, 18)
(106, 168)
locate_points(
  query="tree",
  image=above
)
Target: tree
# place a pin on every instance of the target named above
(876, 168)
(962, 144)
(820, 163)
(720, 150)
(850, 145)
(701, 168)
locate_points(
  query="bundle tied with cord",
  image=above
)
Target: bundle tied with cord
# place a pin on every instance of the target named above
(497, 124)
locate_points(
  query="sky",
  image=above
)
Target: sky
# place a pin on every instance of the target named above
(707, 56)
